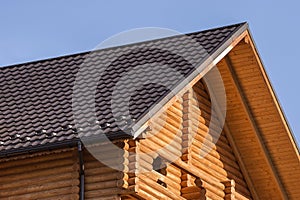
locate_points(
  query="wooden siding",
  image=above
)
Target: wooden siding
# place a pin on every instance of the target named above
(48, 175)
(246, 141)
(270, 125)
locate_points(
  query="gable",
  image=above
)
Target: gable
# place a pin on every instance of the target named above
(255, 125)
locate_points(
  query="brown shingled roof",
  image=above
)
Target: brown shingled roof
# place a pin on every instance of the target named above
(36, 98)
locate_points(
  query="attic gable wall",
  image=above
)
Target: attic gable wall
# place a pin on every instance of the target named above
(182, 132)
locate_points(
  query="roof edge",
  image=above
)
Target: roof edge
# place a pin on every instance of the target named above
(206, 64)
(274, 95)
(62, 144)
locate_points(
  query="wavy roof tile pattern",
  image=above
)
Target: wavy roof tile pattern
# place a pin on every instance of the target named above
(37, 99)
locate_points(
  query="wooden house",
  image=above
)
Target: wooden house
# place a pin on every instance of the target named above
(67, 132)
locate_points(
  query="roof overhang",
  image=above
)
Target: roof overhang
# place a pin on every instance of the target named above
(277, 171)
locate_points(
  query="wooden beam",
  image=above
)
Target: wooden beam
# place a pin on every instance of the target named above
(254, 127)
(240, 162)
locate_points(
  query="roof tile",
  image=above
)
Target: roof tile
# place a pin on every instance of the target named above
(36, 98)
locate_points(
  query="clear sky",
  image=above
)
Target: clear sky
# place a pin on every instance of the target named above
(33, 30)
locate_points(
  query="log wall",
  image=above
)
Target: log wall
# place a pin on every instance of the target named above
(49, 175)
(210, 152)
(183, 132)
(164, 136)
(106, 176)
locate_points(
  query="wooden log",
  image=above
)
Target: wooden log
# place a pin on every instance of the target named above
(160, 189)
(191, 189)
(206, 178)
(175, 129)
(177, 104)
(64, 197)
(50, 193)
(164, 145)
(216, 157)
(188, 177)
(96, 164)
(242, 189)
(212, 164)
(36, 167)
(174, 116)
(201, 92)
(102, 192)
(105, 185)
(229, 189)
(109, 154)
(172, 169)
(105, 177)
(154, 176)
(170, 117)
(209, 181)
(140, 166)
(175, 178)
(39, 173)
(144, 149)
(239, 196)
(146, 164)
(213, 195)
(176, 110)
(229, 197)
(115, 163)
(210, 168)
(168, 152)
(203, 137)
(33, 188)
(46, 157)
(147, 158)
(149, 193)
(105, 149)
(39, 179)
(164, 130)
(110, 191)
(156, 145)
(168, 138)
(194, 195)
(109, 197)
(99, 170)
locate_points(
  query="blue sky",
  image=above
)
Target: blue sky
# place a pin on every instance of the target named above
(33, 30)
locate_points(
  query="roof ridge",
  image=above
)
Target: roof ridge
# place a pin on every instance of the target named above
(109, 48)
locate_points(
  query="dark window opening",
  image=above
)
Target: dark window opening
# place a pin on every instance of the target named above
(160, 166)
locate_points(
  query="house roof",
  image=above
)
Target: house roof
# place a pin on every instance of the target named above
(41, 101)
